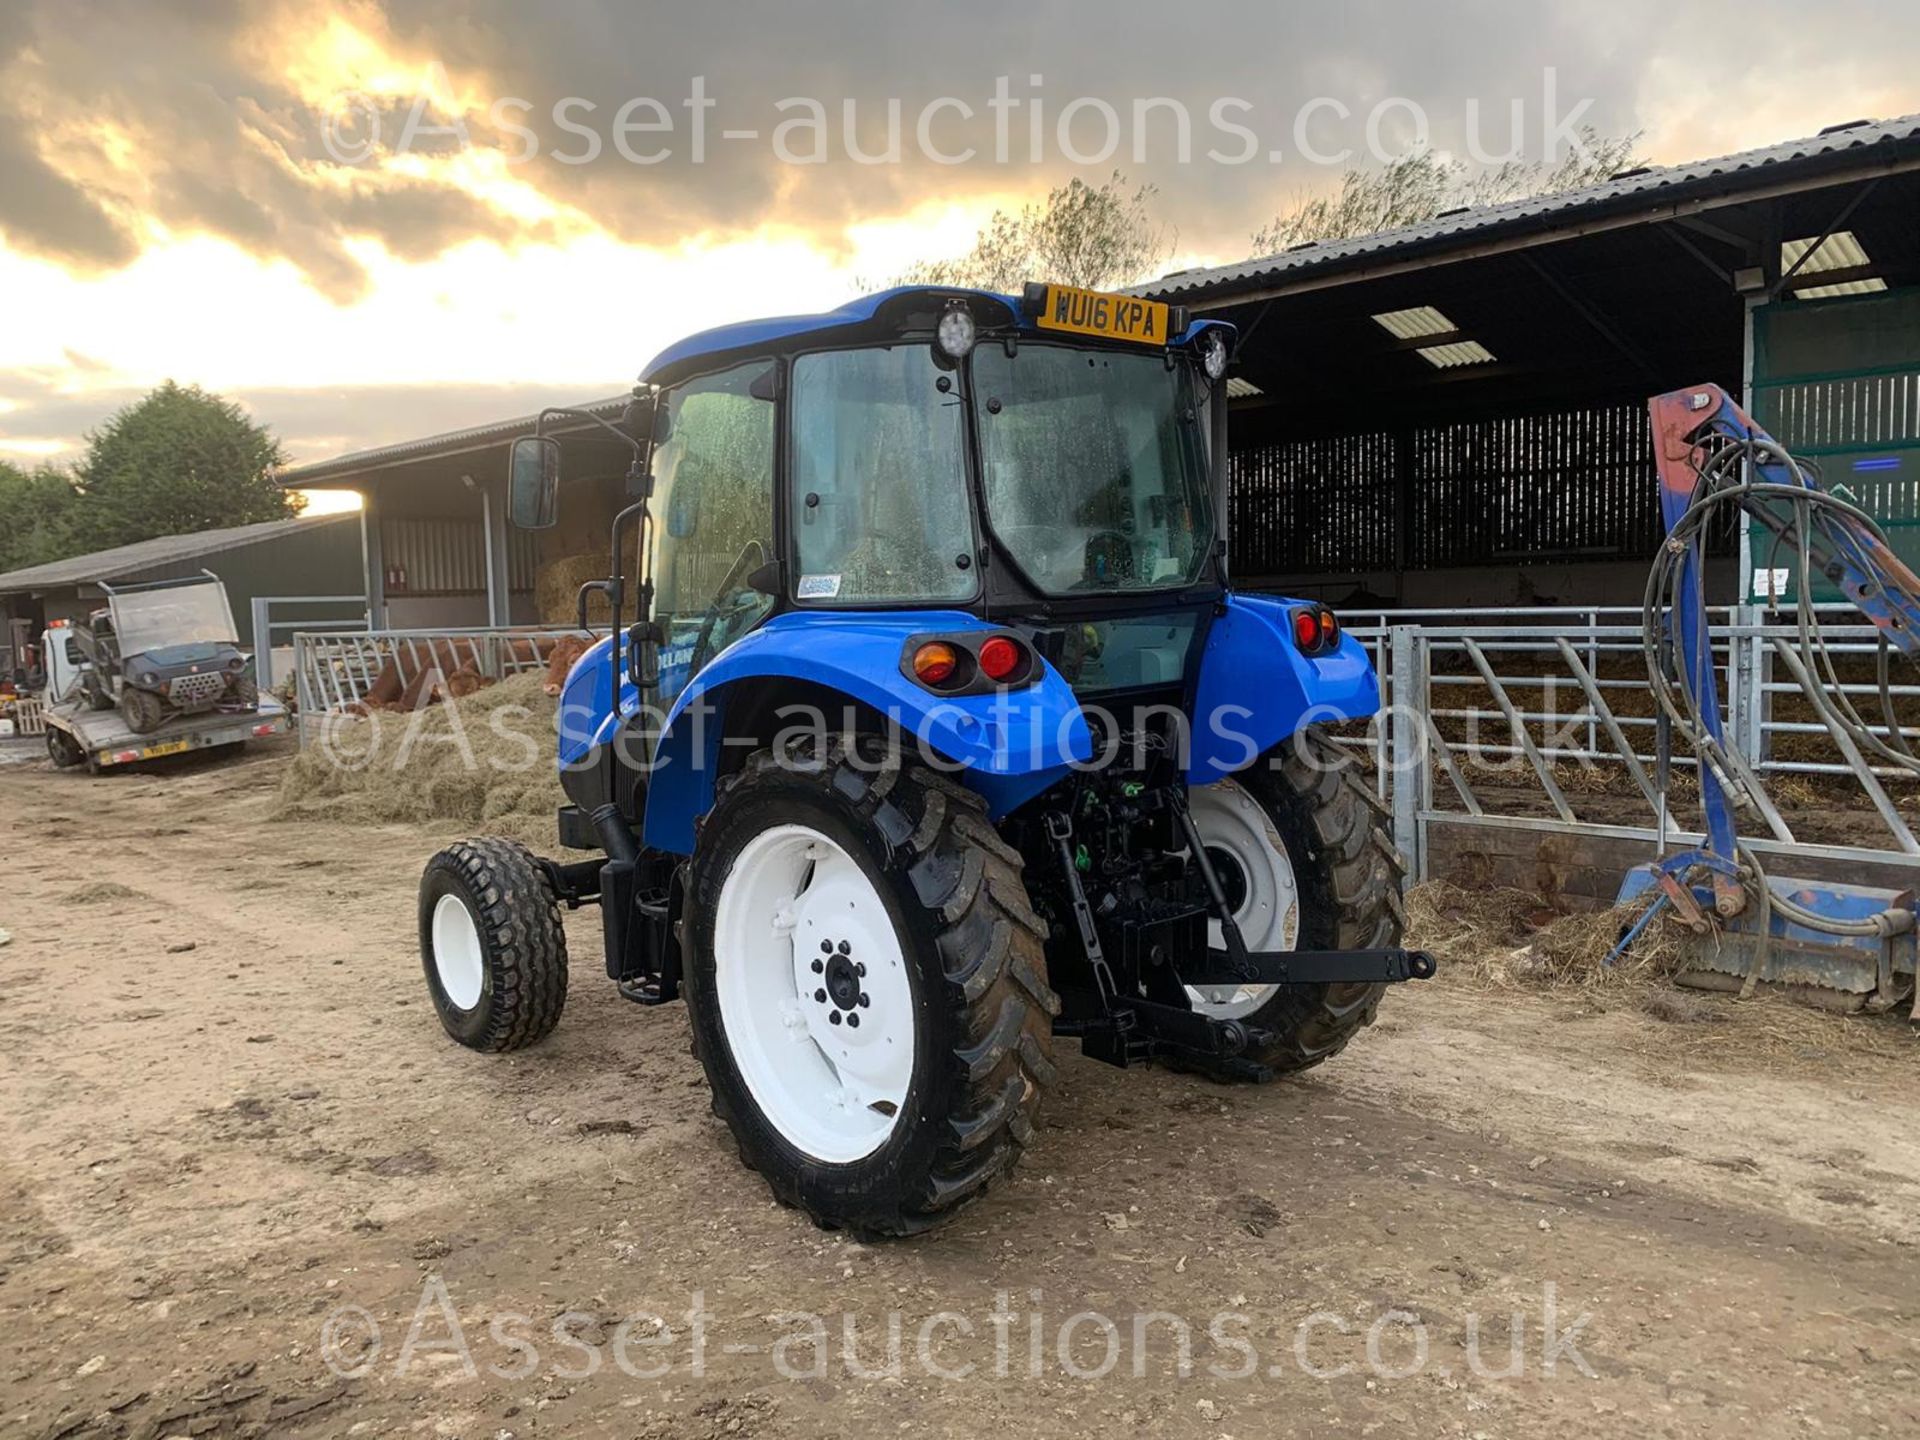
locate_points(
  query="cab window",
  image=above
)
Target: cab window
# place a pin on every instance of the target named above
(713, 519)
(880, 505)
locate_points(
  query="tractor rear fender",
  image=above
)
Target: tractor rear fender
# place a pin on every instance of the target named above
(1256, 688)
(1008, 746)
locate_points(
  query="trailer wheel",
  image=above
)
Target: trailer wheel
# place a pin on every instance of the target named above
(1304, 853)
(143, 710)
(492, 945)
(64, 749)
(867, 988)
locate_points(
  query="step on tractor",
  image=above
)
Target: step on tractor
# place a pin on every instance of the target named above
(929, 728)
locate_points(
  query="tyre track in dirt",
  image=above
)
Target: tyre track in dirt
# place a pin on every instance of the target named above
(189, 1203)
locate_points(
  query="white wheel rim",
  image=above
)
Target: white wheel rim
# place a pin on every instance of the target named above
(1233, 825)
(829, 1072)
(457, 959)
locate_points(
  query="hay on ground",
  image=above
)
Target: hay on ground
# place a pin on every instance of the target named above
(1509, 938)
(483, 763)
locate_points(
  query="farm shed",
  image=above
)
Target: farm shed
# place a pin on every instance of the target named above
(437, 549)
(299, 558)
(1453, 414)
(1447, 415)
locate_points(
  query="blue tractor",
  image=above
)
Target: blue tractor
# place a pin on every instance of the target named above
(929, 729)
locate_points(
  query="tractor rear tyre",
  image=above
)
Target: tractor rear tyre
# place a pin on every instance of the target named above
(492, 945)
(867, 987)
(1302, 847)
(143, 710)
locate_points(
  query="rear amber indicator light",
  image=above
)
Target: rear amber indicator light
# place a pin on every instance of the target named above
(935, 662)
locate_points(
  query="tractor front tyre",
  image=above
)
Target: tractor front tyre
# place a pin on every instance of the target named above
(867, 988)
(1304, 852)
(143, 710)
(492, 945)
(245, 690)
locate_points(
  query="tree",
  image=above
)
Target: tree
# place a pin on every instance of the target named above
(1419, 185)
(178, 461)
(1087, 235)
(36, 514)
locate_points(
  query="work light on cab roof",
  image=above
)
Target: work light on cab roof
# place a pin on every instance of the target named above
(1068, 784)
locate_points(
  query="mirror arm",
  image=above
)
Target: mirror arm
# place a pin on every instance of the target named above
(568, 412)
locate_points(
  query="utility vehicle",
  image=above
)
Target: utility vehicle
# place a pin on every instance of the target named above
(165, 648)
(929, 728)
(155, 672)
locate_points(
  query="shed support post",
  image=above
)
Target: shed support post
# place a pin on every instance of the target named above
(493, 521)
(373, 559)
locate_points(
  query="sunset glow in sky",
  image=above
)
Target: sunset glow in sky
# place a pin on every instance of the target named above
(174, 201)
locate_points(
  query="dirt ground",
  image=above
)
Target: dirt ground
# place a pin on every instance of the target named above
(243, 1165)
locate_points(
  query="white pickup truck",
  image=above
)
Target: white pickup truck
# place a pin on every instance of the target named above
(80, 734)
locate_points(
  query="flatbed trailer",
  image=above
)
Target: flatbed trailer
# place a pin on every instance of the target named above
(100, 739)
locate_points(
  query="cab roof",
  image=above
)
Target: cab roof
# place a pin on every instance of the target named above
(877, 314)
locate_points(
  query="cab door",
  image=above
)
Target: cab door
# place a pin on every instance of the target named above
(712, 511)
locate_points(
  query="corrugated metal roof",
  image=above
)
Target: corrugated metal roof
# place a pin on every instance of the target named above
(450, 442)
(1835, 149)
(123, 561)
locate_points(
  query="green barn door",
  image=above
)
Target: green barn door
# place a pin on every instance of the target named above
(1838, 382)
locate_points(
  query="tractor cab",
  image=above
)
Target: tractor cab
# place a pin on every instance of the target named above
(929, 727)
(1049, 461)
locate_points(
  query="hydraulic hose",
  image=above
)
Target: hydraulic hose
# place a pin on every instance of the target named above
(1800, 517)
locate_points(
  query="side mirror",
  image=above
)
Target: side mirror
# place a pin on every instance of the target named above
(533, 482)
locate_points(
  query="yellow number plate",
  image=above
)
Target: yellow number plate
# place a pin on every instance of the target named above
(1112, 317)
(167, 747)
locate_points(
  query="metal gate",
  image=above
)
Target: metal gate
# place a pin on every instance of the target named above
(1509, 734)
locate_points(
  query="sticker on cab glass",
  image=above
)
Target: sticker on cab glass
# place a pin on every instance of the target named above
(819, 587)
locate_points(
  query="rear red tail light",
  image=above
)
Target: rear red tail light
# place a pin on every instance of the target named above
(1000, 658)
(1306, 630)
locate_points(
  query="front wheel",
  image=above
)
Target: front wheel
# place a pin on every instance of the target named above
(143, 710)
(867, 988)
(492, 946)
(1302, 851)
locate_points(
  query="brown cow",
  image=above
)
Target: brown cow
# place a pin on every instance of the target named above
(566, 653)
(426, 671)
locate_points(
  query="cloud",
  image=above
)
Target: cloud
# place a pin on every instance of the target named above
(120, 119)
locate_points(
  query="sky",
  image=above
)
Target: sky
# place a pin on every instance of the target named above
(369, 220)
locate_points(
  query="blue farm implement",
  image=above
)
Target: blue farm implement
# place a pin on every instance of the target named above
(1847, 941)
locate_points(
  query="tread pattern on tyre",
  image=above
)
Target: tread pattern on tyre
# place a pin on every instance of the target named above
(520, 918)
(989, 944)
(1350, 879)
